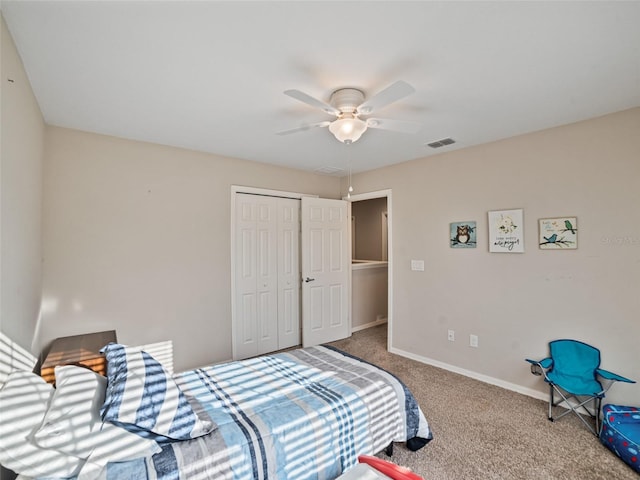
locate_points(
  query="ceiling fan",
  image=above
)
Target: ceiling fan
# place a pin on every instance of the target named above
(349, 105)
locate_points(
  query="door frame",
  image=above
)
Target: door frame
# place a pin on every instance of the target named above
(235, 189)
(387, 193)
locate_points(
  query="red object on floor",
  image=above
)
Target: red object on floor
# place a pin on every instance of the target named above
(389, 469)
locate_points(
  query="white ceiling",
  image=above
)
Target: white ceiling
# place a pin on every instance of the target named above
(209, 75)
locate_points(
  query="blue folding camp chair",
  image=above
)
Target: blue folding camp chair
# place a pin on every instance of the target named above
(573, 371)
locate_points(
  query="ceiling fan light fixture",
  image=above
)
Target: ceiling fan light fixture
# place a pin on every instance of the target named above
(348, 129)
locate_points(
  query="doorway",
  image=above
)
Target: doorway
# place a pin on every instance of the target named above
(380, 252)
(369, 230)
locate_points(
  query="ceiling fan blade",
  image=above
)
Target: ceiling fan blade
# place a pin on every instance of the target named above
(401, 126)
(392, 93)
(304, 128)
(314, 102)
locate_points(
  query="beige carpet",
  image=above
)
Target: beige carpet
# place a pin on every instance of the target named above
(485, 432)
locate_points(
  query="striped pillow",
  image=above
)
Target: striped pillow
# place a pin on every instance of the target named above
(143, 398)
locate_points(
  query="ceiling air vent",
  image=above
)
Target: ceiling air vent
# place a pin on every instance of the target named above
(441, 143)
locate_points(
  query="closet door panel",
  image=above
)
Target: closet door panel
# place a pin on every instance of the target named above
(267, 275)
(288, 273)
(246, 320)
(267, 271)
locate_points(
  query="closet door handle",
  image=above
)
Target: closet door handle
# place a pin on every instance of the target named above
(307, 280)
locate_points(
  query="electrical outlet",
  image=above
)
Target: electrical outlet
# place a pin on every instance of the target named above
(473, 341)
(451, 335)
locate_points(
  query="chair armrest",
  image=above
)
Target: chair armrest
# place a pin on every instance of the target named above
(612, 376)
(540, 367)
(544, 363)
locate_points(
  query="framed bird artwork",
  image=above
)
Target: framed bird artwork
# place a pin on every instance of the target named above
(462, 235)
(559, 233)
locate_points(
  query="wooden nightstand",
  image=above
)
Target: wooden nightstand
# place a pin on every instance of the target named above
(77, 349)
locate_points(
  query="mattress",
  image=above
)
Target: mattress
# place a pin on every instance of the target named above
(303, 414)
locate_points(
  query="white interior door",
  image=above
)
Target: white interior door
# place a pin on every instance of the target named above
(256, 320)
(326, 258)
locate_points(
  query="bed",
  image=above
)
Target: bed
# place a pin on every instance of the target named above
(303, 414)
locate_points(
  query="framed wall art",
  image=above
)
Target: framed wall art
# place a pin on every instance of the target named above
(506, 231)
(462, 235)
(559, 233)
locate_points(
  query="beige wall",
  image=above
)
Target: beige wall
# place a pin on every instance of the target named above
(516, 303)
(369, 295)
(137, 238)
(368, 228)
(21, 156)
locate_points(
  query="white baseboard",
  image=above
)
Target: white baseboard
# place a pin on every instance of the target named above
(378, 321)
(475, 375)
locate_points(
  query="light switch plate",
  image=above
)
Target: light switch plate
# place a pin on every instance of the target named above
(417, 265)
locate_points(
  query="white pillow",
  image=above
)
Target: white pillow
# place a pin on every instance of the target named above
(73, 425)
(23, 404)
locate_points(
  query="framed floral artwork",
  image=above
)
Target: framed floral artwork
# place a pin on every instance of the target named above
(462, 235)
(506, 231)
(559, 233)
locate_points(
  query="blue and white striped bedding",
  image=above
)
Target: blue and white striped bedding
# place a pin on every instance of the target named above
(142, 397)
(303, 414)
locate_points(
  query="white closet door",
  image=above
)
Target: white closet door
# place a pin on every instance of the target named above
(326, 263)
(256, 325)
(288, 272)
